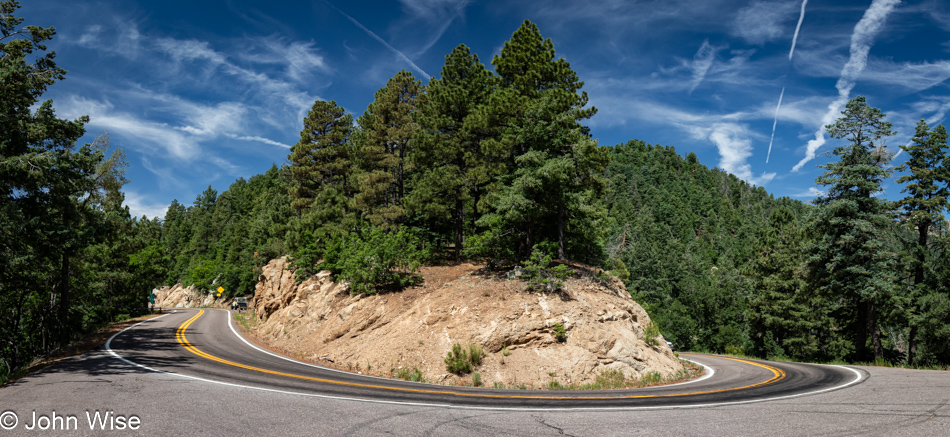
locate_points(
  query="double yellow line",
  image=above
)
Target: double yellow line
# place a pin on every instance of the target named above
(778, 374)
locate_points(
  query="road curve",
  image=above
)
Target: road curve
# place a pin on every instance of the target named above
(204, 345)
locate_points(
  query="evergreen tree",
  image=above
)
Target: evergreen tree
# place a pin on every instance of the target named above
(927, 188)
(447, 147)
(321, 158)
(784, 321)
(550, 177)
(387, 126)
(849, 260)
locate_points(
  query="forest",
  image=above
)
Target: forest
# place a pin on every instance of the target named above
(492, 166)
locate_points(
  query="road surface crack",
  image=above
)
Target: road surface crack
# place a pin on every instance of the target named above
(540, 419)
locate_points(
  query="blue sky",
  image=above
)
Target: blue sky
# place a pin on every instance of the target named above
(200, 93)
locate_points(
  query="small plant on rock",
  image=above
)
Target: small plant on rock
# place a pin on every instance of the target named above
(560, 334)
(460, 361)
(650, 335)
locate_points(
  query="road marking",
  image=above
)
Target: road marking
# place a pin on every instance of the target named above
(778, 375)
(709, 371)
(858, 378)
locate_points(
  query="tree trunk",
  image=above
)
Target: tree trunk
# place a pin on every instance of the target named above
(459, 222)
(560, 231)
(64, 300)
(861, 332)
(918, 279)
(875, 333)
(912, 345)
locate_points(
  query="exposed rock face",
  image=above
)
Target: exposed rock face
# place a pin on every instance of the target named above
(379, 334)
(178, 296)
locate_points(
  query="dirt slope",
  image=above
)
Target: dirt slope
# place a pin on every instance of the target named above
(413, 329)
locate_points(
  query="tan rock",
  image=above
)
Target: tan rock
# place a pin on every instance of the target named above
(415, 328)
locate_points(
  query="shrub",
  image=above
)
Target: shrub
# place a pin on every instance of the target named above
(460, 361)
(375, 258)
(560, 334)
(477, 379)
(650, 335)
(539, 273)
(414, 375)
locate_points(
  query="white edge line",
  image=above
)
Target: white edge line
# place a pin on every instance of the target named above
(709, 371)
(858, 378)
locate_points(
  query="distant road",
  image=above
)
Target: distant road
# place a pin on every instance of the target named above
(190, 371)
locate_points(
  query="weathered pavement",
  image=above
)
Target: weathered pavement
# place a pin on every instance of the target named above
(886, 402)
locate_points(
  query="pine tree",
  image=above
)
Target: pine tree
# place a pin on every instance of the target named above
(321, 158)
(849, 260)
(550, 176)
(447, 147)
(384, 143)
(929, 176)
(783, 318)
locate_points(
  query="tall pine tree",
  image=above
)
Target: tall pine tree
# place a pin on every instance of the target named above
(927, 189)
(849, 260)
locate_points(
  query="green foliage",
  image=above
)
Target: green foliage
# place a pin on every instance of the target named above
(476, 379)
(224, 239)
(460, 361)
(65, 239)
(375, 258)
(651, 335)
(540, 274)
(849, 260)
(560, 334)
(928, 188)
(414, 374)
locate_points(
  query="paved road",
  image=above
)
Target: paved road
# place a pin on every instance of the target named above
(314, 402)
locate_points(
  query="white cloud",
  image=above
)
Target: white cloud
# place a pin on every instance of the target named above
(734, 151)
(702, 60)
(861, 41)
(761, 22)
(775, 124)
(152, 135)
(140, 206)
(811, 192)
(91, 35)
(798, 27)
(301, 59)
(189, 50)
(258, 139)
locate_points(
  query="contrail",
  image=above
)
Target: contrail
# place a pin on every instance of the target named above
(797, 28)
(861, 40)
(383, 42)
(775, 123)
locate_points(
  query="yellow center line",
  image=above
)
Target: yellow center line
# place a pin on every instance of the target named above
(778, 374)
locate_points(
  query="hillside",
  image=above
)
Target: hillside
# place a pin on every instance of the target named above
(385, 334)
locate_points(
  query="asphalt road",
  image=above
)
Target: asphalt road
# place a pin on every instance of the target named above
(179, 374)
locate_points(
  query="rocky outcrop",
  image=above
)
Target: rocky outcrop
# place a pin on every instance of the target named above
(178, 296)
(414, 328)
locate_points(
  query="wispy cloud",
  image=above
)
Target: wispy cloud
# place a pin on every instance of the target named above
(439, 14)
(761, 22)
(149, 134)
(861, 41)
(702, 60)
(775, 124)
(300, 58)
(811, 192)
(258, 139)
(801, 18)
(735, 148)
(398, 53)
